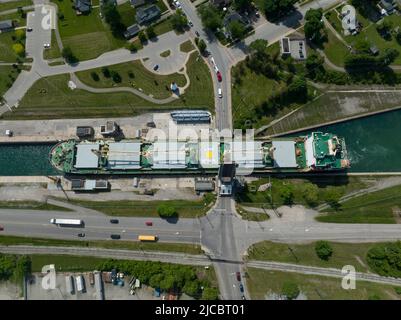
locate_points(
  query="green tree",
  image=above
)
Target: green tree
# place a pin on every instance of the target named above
(142, 36)
(106, 72)
(23, 266)
(210, 16)
(68, 55)
(362, 46)
(236, 29)
(314, 26)
(131, 46)
(179, 20)
(323, 250)
(113, 18)
(209, 294)
(166, 211)
(20, 34)
(150, 31)
(287, 194)
(314, 65)
(388, 56)
(115, 76)
(192, 288)
(167, 282)
(385, 259)
(19, 49)
(298, 89)
(274, 9)
(242, 5)
(332, 197)
(290, 290)
(95, 76)
(202, 45)
(310, 193)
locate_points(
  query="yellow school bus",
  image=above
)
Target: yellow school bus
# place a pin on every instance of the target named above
(147, 238)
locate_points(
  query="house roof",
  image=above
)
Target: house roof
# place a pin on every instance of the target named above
(147, 14)
(137, 3)
(83, 5)
(132, 31)
(6, 24)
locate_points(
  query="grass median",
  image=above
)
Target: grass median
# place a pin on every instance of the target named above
(104, 244)
(31, 205)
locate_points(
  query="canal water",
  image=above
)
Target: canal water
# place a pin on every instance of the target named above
(25, 159)
(373, 143)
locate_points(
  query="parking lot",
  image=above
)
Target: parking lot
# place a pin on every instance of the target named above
(35, 291)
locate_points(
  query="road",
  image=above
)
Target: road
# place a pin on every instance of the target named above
(35, 223)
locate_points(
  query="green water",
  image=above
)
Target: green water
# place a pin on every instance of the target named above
(373, 143)
(25, 160)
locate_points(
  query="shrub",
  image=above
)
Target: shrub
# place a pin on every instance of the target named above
(106, 72)
(166, 211)
(95, 76)
(209, 294)
(385, 259)
(290, 290)
(19, 49)
(323, 250)
(115, 76)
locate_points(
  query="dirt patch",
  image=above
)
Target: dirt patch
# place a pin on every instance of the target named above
(397, 214)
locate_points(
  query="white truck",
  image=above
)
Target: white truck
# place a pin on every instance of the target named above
(80, 283)
(67, 222)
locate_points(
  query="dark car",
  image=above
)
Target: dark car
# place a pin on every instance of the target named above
(197, 33)
(243, 297)
(219, 76)
(238, 274)
(149, 223)
(115, 236)
(241, 287)
(1, 228)
(29, 29)
(81, 235)
(156, 67)
(113, 220)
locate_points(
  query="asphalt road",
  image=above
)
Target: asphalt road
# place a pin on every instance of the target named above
(35, 223)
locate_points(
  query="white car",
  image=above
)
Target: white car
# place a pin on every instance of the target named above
(190, 23)
(177, 4)
(220, 93)
(216, 69)
(46, 45)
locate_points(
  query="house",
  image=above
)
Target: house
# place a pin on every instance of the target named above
(82, 6)
(387, 7)
(138, 3)
(144, 15)
(233, 16)
(349, 22)
(132, 31)
(6, 25)
(220, 3)
(294, 47)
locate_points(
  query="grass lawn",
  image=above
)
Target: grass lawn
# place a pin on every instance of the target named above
(87, 35)
(185, 209)
(335, 50)
(251, 216)
(127, 13)
(5, 80)
(14, 5)
(165, 54)
(304, 254)
(375, 207)
(134, 74)
(6, 52)
(187, 46)
(128, 245)
(65, 263)
(199, 95)
(163, 26)
(54, 51)
(34, 205)
(16, 17)
(253, 198)
(264, 282)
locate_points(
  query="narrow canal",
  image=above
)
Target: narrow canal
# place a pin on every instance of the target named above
(373, 143)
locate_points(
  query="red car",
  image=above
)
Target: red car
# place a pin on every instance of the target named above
(149, 223)
(219, 77)
(238, 276)
(1, 228)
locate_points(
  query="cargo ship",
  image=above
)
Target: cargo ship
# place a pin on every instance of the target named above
(315, 152)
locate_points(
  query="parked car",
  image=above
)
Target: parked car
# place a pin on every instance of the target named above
(46, 45)
(219, 76)
(220, 93)
(241, 287)
(197, 33)
(81, 235)
(115, 236)
(113, 220)
(243, 297)
(149, 223)
(190, 23)
(238, 276)
(29, 29)
(1, 228)
(156, 67)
